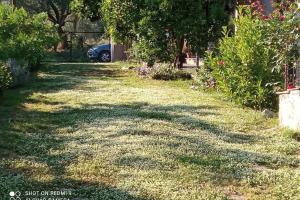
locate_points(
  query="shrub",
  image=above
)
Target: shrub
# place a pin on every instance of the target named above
(166, 72)
(23, 41)
(205, 77)
(19, 72)
(249, 65)
(147, 50)
(144, 71)
(24, 36)
(163, 72)
(5, 77)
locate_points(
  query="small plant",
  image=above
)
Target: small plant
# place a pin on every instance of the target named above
(19, 71)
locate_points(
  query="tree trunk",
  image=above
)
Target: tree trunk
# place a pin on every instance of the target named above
(63, 36)
(180, 57)
(75, 23)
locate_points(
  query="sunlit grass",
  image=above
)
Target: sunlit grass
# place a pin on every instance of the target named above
(104, 133)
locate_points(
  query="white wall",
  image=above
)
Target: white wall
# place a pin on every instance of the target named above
(289, 109)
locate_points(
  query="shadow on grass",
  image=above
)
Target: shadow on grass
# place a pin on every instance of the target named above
(51, 78)
(35, 136)
(31, 136)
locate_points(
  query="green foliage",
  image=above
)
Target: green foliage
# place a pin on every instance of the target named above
(163, 71)
(150, 51)
(169, 74)
(5, 77)
(57, 11)
(23, 36)
(204, 74)
(121, 18)
(282, 37)
(249, 65)
(87, 8)
(291, 134)
(159, 28)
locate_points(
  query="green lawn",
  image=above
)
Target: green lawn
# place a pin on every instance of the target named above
(103, 133)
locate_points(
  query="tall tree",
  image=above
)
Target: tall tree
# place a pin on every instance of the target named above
(90, 9)
(162, 27)
(57, 10)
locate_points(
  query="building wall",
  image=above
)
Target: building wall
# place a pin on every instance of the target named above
(289, 109)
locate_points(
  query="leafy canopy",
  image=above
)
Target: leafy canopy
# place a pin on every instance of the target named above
(24, 36)
(158, 28)
(57, 10)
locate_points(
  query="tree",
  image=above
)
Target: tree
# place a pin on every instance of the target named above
(88, 8)
(57, 10)
(162, 27)
(24, 36)
(159, 29)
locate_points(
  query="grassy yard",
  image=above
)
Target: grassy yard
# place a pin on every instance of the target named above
(101, 132)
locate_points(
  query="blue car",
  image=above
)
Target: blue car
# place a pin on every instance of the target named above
(100, 53)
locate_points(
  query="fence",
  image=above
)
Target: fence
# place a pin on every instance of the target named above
(76, 46)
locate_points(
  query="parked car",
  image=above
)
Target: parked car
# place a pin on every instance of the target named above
(100, 53)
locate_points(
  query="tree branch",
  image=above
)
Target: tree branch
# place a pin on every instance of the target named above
(56, 11)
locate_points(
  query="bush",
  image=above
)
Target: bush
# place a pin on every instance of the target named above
(19, 72)
(24, 36)
(147, 50)
(5, 77)
(23, 41)
(163, 72)
(248, 67)
(205, 77)
(166, 72)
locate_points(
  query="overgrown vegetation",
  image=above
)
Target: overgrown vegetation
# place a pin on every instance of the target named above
(163, 71)
(23, 37)
(248, 66)
(58, 12)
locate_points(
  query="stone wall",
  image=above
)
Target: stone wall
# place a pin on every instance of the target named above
(289, 109)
